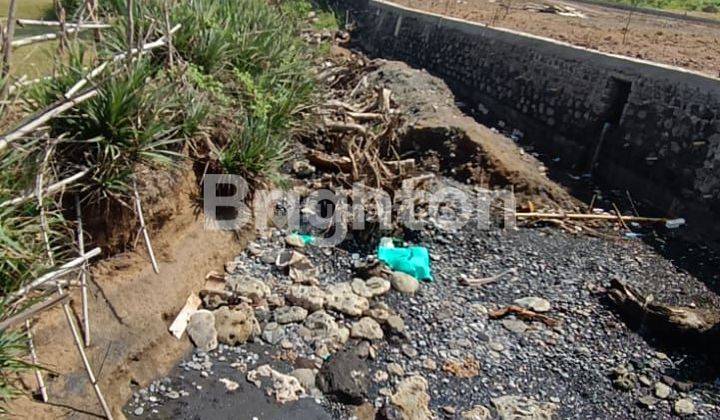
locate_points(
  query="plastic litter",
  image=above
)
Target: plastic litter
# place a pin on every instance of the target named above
(306, 239)
(413, 260)
(674, 223)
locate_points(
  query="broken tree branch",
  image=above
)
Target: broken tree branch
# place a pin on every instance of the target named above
(681, 324)
(523, 313)
(488, 280)
(345, 127)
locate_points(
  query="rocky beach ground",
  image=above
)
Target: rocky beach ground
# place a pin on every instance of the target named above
(516, 323)
(329, 342)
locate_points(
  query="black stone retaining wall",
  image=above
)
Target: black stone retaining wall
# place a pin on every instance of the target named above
(649, 128)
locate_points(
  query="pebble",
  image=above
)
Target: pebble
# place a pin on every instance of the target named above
(647, 401)
(404, 283)
(409, 351)
(534, 303)
(273, 333)
(290, 314)
(429, 364)
(514, 325)
(684, 407)
(230, 385)
(495, 346)
(395, 369)
(380, 376)
(662, 391)
(367, 328)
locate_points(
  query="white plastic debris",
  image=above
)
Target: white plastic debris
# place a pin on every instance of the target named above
(674, 223)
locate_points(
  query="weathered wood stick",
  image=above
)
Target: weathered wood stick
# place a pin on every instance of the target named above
(44, 117)
(487, 280)
(143, 228)
(39, 179)
(118, 57)
(54, 23)
(524, 314)
(22, 42)
(56, 187)
(83, 356)
(364, 116)
(64, 269)
(345, 127)
(582, 216)
(31, 312)
(34, 359)
(620, 217)
(83, 273)
(8, 38)
(685, 325)
(131, 26)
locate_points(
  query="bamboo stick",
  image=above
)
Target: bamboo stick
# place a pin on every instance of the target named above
(83, 356)
(118, 57)
(64, 269)
(83, 273)
(39, 193)
(32, 311)
(143, 229)
(131, 26)
(168, 34)
(60, 12)
(8, 38)
(44, 117)
(22, 42)
(583, 216)
(34, 359)
(54, 23)
(52, 189)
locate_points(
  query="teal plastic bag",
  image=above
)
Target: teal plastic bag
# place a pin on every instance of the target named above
(306, 239)
(414, 260)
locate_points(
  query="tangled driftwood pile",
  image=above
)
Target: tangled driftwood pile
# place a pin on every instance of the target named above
(358, 139)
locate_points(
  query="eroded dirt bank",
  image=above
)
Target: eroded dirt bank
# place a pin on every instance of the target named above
(131, 307)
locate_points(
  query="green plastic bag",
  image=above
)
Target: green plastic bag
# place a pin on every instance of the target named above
(414, 260)
(306, 239)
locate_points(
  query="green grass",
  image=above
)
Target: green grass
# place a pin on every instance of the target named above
(29, 9)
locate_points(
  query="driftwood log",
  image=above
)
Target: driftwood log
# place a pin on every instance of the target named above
(674, 323)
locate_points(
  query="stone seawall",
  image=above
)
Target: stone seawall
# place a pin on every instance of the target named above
(649, 128)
